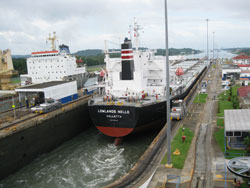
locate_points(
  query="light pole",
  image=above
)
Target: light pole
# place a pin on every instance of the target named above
(213, 47)
(167, 92)
(207, 41)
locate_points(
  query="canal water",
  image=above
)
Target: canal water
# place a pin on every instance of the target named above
(88, 160)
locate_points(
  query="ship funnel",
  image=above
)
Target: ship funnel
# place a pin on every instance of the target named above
(127, 60)
(64, 49)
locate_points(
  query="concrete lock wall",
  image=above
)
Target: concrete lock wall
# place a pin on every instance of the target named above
(20, 148)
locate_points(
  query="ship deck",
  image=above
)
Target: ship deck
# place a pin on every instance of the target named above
(124, 102)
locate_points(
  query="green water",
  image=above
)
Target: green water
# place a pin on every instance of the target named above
(88, 160)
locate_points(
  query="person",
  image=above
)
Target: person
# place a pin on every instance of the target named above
(27, 102)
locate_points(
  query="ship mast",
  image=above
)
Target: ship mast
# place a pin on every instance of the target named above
(136, 33)
(52, 39)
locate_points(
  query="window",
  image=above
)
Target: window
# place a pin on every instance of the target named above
(237, 133)
(229, 133)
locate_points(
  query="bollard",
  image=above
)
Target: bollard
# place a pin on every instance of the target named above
(183, 138)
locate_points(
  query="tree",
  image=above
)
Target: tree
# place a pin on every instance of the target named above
(246, 142)
(20, 65)
(230, 91)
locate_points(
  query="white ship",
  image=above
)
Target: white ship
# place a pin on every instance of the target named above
(135, 86)
(54, 65)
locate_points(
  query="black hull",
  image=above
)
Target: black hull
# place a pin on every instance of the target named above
(120, 121)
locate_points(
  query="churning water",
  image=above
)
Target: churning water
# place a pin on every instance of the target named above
(89, 160)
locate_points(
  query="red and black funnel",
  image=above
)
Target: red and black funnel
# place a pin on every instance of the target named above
(127, 60)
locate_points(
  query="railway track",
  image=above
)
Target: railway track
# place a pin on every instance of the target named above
(36, 115)
(202, 177)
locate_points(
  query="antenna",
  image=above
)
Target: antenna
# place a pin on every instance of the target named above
(136, 33)
(130, 31)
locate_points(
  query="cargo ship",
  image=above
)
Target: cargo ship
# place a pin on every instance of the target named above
(54, 65)
(135, 90)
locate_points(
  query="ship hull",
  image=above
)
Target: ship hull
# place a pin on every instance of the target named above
(119, 121)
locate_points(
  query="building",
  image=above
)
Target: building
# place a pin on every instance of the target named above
(241, 59)
(6, 70)
(244, 96)
(245, 73)
(237, 127)
(64, 91)
(239, 72)
(229, 72)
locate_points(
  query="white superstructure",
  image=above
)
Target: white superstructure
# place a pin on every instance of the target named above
(54, 65)
(148, 75)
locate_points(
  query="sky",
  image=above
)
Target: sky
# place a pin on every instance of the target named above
(86, 24)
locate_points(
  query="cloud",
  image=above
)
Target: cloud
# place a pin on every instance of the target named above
(86, 24)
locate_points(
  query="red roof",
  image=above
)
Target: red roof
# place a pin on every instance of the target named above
(243, 91)
(241, 56)
(45, 52)
(244, 79)
(243, 65)
(245, 71)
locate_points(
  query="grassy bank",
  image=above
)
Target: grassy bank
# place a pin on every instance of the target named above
(228, 101)
(200, 98)
(95, 68)
(179, 160)
(220, 122)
